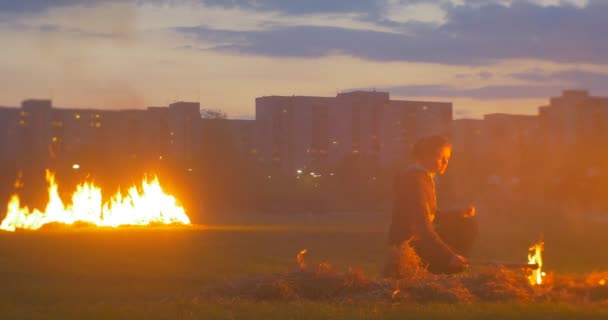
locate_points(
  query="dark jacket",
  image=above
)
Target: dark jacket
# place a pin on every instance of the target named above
(414, 210)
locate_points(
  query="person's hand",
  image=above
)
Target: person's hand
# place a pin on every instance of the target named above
(469, 212)
(459, 262)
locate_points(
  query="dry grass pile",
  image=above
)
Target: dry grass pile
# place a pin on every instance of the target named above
(406, 280)
(576, 288)
(320, 284)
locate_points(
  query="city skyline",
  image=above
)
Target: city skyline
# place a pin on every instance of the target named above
(291, 133)
(495, 56)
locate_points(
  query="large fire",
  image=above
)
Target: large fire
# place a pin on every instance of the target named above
(140, 206)
(535, 257)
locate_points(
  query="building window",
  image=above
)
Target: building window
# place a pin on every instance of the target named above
(77, 116)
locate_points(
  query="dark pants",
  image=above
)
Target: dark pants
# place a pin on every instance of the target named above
(459, 234)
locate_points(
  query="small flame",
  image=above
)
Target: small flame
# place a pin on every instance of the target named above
(535, 257)
(143, 206)
(300, 259)
(395, 293)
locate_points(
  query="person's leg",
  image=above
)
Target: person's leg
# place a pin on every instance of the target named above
(458, 232)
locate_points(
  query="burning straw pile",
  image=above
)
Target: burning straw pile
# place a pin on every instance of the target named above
(412, 283)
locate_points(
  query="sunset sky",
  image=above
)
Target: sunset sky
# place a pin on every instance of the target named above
(483, 55)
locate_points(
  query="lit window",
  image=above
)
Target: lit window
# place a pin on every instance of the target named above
(55, 139)
(77, 116)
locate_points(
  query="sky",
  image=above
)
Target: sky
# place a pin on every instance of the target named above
(485, 56)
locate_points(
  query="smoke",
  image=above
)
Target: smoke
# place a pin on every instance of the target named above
(115, 95)
(86, 50)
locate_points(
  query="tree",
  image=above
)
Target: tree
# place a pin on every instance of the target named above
(213, 114)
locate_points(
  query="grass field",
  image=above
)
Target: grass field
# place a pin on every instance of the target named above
(134, 273)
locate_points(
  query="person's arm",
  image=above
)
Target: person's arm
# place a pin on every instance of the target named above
(415, 192)
(467, 212)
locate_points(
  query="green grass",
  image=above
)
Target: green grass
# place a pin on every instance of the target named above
(305, 310)
(155, 274)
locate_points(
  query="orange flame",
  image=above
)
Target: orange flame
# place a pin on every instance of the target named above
(300, 259)
(535, 257)
(143, 206)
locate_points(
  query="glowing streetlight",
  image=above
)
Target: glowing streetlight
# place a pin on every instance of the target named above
(75, 166)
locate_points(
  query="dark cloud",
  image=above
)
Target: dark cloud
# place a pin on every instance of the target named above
(540, 84)
(473, 34)
(593, 81)
(296, 7)
(288, 7)
(305, 41)
(37, 6)
(483, 93)
(479, 32)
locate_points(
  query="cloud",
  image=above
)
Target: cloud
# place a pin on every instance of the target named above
(38, 6)
(473, 34)
(301, 7)
(539, 84)
(481, 93)
(593, 81)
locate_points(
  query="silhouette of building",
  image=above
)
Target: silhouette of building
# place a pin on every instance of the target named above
(507, 137)
(404, 122)
(184, 126)
(574, 118)
(291, 132)
(9, 119)
(317, 133)
(355, 126)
